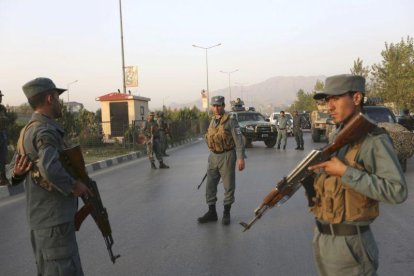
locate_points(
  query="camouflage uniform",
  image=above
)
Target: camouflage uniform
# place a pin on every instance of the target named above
(345, 206)
(50, 212)
(3, 143)
(151, 132)
(282, 130)
(297, 130)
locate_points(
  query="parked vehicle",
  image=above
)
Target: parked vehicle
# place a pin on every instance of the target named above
(254, 126)
(274, 117)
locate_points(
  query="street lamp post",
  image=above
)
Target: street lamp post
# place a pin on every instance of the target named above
(241, 88)
(229, 73)
(69, 84)
(208, 91)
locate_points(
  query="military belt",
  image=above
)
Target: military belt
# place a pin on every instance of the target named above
(219, 152)
(340, 229)
(282, 128)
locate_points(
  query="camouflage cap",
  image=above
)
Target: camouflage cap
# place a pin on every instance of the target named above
(40, 85)
(341, 84)
(151, 114)
(217, 100)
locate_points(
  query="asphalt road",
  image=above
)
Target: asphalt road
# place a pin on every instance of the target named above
(153, 216)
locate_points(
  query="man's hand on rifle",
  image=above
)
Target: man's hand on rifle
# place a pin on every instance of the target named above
(334, 167)
(80, 189)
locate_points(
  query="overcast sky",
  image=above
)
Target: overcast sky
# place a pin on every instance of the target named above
(80, 40)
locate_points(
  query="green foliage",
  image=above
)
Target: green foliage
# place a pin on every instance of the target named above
(13, 129)
(359, 69)
(304, 101)
(394, 76)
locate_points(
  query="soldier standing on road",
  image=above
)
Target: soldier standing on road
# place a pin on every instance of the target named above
(297, 130)
(51, 192)
(282, 122)
(164, 131)
(350, 185)
(224, 139)
(3, 143)
(151, 132)
(407, 121)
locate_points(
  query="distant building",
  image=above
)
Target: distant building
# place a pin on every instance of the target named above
(73, 106)
(119, 110)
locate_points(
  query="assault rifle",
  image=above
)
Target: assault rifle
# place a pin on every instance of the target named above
(75, 164)
(354, 130)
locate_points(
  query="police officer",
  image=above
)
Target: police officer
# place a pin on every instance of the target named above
(50, 191)
(3, 143)
(350, 185)
(297, 130)
(164, 131)
(151, 132)
(224, 139)
(282, 122)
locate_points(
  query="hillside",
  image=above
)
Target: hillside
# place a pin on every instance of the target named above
(270, 95)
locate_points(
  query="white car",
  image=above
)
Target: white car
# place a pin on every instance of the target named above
(275, 115)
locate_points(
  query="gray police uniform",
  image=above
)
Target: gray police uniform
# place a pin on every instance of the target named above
(222, 164)
(50, 213)
(297, 130)
(345, 206)
(380, 179)
(282, 131)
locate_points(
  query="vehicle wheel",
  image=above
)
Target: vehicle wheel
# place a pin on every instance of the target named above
(404, 165)
(316, 136)
(270, 143)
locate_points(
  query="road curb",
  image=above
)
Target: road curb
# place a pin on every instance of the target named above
(6, 191)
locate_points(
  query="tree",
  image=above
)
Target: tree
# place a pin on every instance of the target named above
(359, 69)
(393, 78)
(303, 102)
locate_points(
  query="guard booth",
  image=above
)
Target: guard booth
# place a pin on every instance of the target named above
(119, 111)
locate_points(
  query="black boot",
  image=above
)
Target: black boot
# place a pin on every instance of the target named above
(153, 165)
(278, 146)
(226, 215)
(301, 148)
(297, 148)
(211, 215)
(284, 147)
(163, 166)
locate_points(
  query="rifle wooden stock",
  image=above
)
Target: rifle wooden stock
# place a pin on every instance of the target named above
(81, 215)
(355, 130)
(73, 160)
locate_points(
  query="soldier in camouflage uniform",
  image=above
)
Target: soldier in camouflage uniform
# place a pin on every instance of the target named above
(164, 131)
(225, 142)
(51, 192)
(350, 186)
(151, 131)
(3, 143)
(297, 130)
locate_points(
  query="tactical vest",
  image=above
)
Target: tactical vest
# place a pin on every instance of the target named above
(336, 202)
(218, 138)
